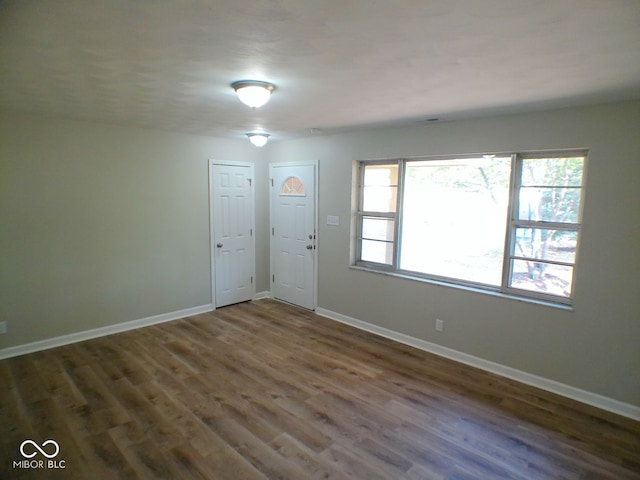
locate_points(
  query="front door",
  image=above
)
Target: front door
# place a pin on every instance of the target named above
(232, 225)
(293, 233)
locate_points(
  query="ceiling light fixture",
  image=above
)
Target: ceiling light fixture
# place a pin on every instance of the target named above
(253, 93)
(258, 139)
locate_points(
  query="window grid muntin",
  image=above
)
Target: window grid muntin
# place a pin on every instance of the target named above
(362, 214)
(511, 225)
(515, 222)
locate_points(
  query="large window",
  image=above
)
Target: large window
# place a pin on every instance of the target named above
(506, 223)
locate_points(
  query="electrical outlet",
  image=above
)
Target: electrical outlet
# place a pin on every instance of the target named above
(3, 327)
(439, 325)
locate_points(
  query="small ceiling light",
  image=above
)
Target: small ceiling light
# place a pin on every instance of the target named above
(258, 139)
(253, 93)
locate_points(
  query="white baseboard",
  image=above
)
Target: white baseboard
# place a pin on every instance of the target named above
(103, 331)
(568, 391)
(100, 332)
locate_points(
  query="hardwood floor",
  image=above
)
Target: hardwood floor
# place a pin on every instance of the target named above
(265, 390)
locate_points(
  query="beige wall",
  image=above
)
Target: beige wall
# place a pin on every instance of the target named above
(595, 347)
(103, 224)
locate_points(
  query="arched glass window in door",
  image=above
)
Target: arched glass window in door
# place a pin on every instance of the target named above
(292, 187)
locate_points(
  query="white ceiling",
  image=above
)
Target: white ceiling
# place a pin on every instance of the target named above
(338, 64)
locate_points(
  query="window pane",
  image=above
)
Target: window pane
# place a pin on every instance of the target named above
(549, 204)
(378, 252)
(546, 244)
(552, 172)
(378, 228)
(380, 199)
(292, 186)
(455, 214)
(542, 277)
(381, 175)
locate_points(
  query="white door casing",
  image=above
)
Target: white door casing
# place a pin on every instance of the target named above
(232, 225)
(294, 232)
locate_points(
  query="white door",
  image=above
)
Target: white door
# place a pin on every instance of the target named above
(293, 233)
(232, 225)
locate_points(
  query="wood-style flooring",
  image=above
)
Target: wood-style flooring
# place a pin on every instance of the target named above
(266, 390)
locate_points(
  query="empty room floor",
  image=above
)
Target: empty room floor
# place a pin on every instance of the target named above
(266, 390)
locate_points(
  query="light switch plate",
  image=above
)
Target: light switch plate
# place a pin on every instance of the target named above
(333, 220)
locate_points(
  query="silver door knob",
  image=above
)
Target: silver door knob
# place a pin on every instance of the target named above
(309, 247)
(219, 245)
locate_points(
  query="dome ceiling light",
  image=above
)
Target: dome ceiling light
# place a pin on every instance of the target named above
(258, 139)
(252, 92)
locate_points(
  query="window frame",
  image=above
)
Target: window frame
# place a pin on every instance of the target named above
(512, 224)
(361, 215)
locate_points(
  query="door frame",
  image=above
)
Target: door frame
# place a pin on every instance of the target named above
(212, 256)
(316, 166)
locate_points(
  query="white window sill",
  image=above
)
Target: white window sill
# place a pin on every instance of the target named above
(467, 288)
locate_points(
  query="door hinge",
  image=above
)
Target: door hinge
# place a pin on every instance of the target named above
(273, 278)
(271, 182)
(251, 232)
(273, 231)
(252, 280)
(249, 181)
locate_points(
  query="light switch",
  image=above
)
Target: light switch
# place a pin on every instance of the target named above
(333, 220)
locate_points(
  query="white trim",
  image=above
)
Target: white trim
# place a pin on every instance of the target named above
(101, 332)
(594, 399)
(261, 295)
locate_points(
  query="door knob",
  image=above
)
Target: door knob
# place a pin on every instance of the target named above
(309, 247)
(219, 245)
